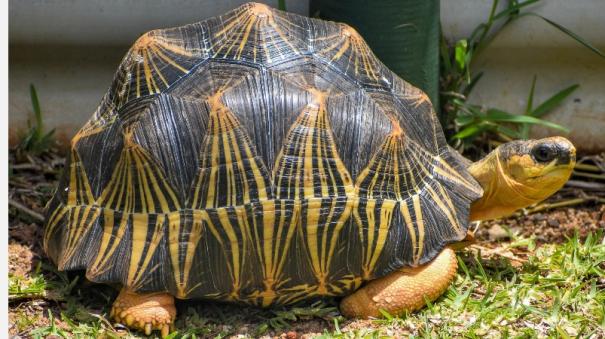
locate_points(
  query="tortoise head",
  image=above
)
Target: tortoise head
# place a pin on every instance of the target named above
(538, 168)
(521, 173)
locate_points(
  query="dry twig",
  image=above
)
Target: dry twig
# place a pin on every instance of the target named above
(26, 210)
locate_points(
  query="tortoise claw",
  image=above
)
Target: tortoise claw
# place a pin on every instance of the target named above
(145, 312)
(165, 330)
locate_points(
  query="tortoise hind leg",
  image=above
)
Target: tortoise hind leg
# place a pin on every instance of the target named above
(145, 312)
(404, 290)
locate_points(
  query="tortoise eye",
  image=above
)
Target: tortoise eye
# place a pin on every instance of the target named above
(543, 153)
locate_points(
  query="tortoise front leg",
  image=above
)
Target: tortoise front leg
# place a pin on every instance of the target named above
(145, 312)
(404, 290)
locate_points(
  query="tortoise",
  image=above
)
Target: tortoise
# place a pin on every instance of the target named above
(264, 158)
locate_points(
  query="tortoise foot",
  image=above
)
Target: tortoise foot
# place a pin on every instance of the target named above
(403, 291)
(145, 312)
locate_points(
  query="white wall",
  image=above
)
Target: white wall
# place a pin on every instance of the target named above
(111, 22)
(69, 49)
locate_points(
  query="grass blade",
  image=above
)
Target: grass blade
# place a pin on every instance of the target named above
(524, 133)
(467, 132)
(36, 107)
(501, 116)
(553, 101)
(571, 34)
(530, 98)
(511, 133)
(463, 120)
(471, 85)
(485, 26)
(514, 8)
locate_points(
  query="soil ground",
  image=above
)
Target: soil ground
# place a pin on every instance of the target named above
(46, 302)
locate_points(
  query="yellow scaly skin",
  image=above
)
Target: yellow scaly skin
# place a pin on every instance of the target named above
(145, 312)
(515, 180)
(512, 178)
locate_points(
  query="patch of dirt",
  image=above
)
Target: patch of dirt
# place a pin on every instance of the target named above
(24, 252)
(20, 259)
(547, 227)
(26, 316)
(304, 329)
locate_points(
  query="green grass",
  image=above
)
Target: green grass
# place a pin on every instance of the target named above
(558, 290)
(36, 140)
(27, 288)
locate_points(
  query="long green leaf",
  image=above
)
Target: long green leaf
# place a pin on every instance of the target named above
(511, 13)
(514, 8)
(509, 132)
(530, 97)
(485, 26)
(467, 132)
(36, 107)
(553, 101)
(570, 33)
(524, 132)
(501, 116)
(463, 120)
(471, 85)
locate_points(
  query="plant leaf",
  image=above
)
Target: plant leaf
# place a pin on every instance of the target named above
(460, 53)
(553, 101)
(524, 132)
(571, 34)
(467, 132)
(34, 97)
(501, 116)
(509, 132)
(471, 85)
(514, 8)
(463, 120)
(36, 107)
(530, 98)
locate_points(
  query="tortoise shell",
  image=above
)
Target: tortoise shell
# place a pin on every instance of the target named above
(258, 156)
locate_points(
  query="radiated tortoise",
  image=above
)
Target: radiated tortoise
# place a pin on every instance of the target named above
(263, 157)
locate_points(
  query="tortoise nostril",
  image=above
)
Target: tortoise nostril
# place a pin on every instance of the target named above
(566, 155)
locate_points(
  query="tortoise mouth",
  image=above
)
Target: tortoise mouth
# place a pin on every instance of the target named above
(561, 171)
(555, 169)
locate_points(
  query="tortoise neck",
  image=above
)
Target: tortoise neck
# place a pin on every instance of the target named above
(501, 195)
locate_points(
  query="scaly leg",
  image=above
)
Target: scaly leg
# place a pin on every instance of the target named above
(404, 290)
(145, 312)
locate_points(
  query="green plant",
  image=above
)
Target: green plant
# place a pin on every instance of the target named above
(555, 292)
(465, 122)
(27, 288)
(36, 140)
(472, 120)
